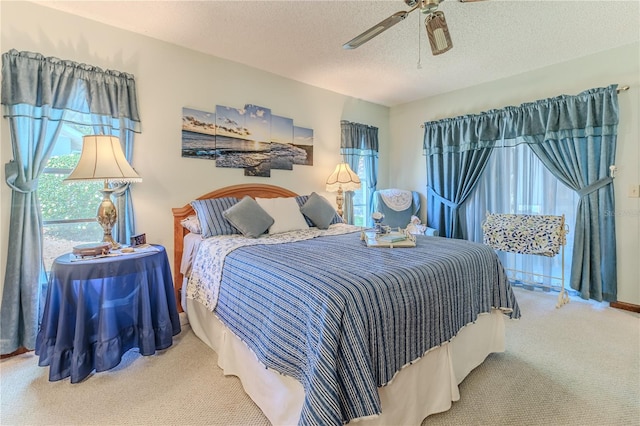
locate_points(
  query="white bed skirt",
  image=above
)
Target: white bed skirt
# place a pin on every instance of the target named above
(425, 387)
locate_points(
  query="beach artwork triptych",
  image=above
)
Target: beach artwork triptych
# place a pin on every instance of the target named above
(249, 138)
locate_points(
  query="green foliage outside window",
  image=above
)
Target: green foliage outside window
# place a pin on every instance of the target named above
(67, 201)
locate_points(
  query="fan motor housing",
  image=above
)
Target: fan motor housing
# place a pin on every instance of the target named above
(426, 6)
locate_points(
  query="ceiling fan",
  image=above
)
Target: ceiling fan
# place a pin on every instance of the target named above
(436, 25)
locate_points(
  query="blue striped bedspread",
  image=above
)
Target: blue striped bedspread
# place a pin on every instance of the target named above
(343, 318)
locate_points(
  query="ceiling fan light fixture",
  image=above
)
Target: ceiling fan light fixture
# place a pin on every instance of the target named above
(438, 33)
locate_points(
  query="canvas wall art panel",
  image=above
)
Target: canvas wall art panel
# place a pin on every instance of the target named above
(282, 149)
(303, 139)
(198, 134)
(249, 138)
(243, 139)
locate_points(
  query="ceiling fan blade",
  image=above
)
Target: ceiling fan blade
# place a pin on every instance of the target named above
(376, 29)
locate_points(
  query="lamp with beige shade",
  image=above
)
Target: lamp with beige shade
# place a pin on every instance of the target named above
(342, 179)
(102, 159)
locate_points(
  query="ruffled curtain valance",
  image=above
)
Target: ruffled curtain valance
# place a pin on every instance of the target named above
(39, 86)
(593, 112)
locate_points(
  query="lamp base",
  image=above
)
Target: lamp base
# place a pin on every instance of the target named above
(113, 243)
(340, 201)
(107, 216)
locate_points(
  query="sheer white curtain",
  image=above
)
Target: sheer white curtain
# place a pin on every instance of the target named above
(516, 181)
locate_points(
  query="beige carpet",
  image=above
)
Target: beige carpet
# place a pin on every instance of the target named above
(578, 365)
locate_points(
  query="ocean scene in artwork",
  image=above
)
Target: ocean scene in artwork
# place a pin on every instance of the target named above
(249, 138)
(282, 142)
(303, 139)
(198, 134)
(243, 139)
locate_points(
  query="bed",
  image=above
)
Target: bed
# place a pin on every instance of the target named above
(321, 329)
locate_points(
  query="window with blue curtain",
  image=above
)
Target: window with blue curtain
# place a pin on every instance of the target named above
(40, 95)
(574, 137)
(359, 149)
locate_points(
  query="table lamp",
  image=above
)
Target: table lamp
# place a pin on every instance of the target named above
(102, 159)
(342, 179)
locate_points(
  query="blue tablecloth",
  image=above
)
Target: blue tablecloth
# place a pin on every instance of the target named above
(96, 310)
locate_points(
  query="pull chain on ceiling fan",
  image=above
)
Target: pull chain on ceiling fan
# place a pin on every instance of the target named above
(435, 24)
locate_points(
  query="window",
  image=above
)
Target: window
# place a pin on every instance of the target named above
(360, 197)
(360, 142)
(516, 181)
(68, 209)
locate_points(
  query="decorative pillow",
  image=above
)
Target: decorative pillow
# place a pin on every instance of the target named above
(319, 210)
(210, 215)
(301, 199)
(285, 213)
(248, 217)
(192, 224)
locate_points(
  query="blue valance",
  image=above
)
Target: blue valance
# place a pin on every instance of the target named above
(37, 86)
(358, 137)
(593, 112)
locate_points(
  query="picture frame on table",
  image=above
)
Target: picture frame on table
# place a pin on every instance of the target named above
(138, 240)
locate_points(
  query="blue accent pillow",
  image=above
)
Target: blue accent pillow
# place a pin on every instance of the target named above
(210, 215)
(248, 217)
(301, 199)
(319, 210)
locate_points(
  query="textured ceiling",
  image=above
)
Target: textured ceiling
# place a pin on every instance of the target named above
(302, 40)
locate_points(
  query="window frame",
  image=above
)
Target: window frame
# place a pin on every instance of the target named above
(361, 194)
(51, 246)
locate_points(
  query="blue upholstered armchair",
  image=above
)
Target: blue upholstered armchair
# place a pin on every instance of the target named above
(398, 206)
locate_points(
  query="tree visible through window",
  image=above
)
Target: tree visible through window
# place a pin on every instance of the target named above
(68, 209)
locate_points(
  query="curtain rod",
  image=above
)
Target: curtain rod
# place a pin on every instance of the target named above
(620, 89)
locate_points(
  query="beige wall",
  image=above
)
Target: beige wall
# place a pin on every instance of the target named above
(169, 78)
(621, 66)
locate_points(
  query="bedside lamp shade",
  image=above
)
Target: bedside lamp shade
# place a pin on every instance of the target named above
(342, 179)
(102, 159)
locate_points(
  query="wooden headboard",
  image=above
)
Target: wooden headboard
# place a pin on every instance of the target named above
(179, 213)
